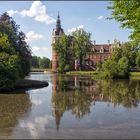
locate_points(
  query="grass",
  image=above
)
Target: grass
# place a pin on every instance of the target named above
(81, 73)
(39, 70)
(135, 75)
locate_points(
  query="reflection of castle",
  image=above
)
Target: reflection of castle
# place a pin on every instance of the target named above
(77, 93)
(98, 53)
(67, 92)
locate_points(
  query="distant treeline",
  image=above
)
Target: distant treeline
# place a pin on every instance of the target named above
(38, 62)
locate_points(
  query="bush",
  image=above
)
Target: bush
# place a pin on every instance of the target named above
(8, 70)
(15, 54)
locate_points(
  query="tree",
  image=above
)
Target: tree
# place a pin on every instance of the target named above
(109, 69)
(17, 42)
(15, 53)
(138, 60)
(50, 64)
(61, 48)
(35, 62)
(123, 59)
(9, 63)
(123, 68)
(127, 12)
(126, 50)
(44, 62)
(82, 44)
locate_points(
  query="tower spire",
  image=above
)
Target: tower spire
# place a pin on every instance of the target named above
(58, 22)
(58, 15)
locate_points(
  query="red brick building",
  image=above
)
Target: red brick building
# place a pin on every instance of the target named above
(98, 53)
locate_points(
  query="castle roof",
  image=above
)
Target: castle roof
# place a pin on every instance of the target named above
(105, 47)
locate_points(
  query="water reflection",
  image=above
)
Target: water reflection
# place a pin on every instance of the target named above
(77, 106)
(77, 93)
(12, 107)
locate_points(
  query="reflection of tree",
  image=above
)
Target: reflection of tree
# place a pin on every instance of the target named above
(12, 106)
(121, 92)
(75, 94)
(67, 97)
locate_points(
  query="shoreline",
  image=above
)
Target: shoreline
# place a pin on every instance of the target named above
(27, 84)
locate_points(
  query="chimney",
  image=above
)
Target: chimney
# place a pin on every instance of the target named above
(108, 42)
(94, 42)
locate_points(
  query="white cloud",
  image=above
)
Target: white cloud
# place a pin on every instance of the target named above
(38, 126)
(42, 51)
(33, 36)
(12, 12)
(36, 11)
(76, 28)
(100, 18)
(36, 102)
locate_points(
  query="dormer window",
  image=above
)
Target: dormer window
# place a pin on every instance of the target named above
(101, 50)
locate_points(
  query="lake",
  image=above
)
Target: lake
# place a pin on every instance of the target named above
(72, 107)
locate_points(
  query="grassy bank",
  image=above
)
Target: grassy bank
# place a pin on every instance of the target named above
(135, 75)
(94, 74)
(81, 73)
(39, 70)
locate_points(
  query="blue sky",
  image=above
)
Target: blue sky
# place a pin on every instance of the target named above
(37, 20)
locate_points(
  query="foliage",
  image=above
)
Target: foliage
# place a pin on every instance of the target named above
(8, 64)
(123, 59)
(109, 69)
(14, 53)
(82, 44)
(37, 62)
(61, 48)
(138, 60)
(44, 62)
(127, 12)
(123, 67)
(50, 64)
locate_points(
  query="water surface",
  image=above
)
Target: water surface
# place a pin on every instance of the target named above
(72, 107)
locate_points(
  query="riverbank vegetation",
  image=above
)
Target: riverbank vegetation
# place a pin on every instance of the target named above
(40, 63)
(15, 54)
(123, 60)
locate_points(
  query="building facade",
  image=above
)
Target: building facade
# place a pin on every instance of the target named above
(98, 53)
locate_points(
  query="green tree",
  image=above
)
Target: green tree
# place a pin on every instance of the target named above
(127, 12)
(17, 41)
(109, 69)
(50, 64)
(138, 60)
(44, 62)
(61, 48)
(9, 63)
(35, 62)
(15, 54)
(123, 60)
(82, 44)
(123, 67)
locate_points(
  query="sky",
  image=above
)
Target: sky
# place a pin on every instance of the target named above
(38, 18)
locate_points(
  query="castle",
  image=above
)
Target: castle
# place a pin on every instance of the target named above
(98, 53)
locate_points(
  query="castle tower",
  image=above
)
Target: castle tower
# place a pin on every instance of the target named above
(56, 35)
